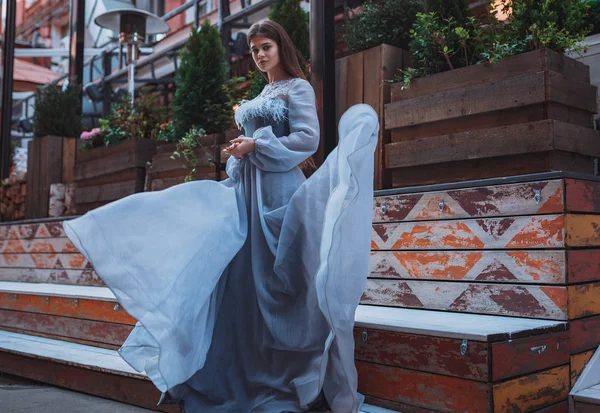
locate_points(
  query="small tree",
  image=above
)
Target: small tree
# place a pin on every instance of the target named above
(57, 111)
(201, 98)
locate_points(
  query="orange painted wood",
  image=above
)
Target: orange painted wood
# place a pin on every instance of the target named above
(582, 230)
(395, 406)
(38, 246)
(584, 300)
(519, 357)
(530, 267)
(562, 407)
(545, 302)
(28, 231)
(578, 363)
(425, 390)
(102, 332)
(423, 353)
(532, 392)
(582, 196)
(583, 266)
(53, 276)
(109, 311)
(43, 260)
(546, 231)
(489, 201)
(62, 338)
(132, 390)
(584, 334)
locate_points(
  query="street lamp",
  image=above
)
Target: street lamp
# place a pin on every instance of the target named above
(133, 25)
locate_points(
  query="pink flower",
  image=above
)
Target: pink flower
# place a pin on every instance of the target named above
(86, 135)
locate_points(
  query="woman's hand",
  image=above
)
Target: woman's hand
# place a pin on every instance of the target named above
(241, 146)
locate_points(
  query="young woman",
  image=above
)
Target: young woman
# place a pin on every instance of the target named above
(245, 290)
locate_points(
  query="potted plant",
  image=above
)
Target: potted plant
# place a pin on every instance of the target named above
(487, 98)
(378, 38)
(51, 154)
(111, 162)
(202, 111)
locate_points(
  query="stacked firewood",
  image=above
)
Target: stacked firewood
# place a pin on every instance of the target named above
(12, 197)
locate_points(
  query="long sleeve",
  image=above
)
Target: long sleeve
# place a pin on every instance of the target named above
(280, 154)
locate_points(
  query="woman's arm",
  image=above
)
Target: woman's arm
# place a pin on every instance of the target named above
(280, 154)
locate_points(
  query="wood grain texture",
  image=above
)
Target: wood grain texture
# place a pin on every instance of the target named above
(546, 231)
(583, 266)
(424, 390)
(30, 231)
(37, 246)
(422, 353)
(52, 276)
(520, 357)
(584, 300)
(66, 307)
(584, 334)
(578, 363)
(543, 302)
(582, 196)
(480, 202)
(529, 267)
(136, 391)
(105, 193)
(90, 330)
(582, 230)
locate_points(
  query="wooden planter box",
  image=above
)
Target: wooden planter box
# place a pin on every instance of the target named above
(50, 159)
(526, 114)
(165, 172)
(361, 78)
(112, 172)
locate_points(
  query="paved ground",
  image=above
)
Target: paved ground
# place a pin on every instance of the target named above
(20, 396)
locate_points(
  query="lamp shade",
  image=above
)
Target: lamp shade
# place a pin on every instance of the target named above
(132, 20)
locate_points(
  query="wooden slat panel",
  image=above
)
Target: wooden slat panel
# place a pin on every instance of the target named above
(585, 334)
(122, 176)
(544, 302)
(124, 389)
(108, 192)
(532, 392)
(546, 231)
(341, 77)
(68, 160)
(103, 166)
(354, 93)
(395, 407)
(531, 267)
(43, 260)
(64, 340)
(422, 353)
(163, 162)
(582, 230)
(560, 63)
(66, 307)
(578, 363)
(583, 266)
(53, 276)
(584, 300)
(50, 168)
(104, 151)
(426, 390)
(582, 196)
(99, 331)
(571, 93)
(28, 231)
(374, 96)
(519, 357)
(37, 245)
(516, 91)
(489, 201)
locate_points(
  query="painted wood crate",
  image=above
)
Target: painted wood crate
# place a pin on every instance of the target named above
(529, 113)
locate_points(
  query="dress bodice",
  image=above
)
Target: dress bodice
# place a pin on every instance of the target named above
(270, 108)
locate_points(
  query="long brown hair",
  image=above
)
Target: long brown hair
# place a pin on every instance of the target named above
(290, 58)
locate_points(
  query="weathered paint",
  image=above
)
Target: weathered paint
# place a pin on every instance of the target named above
(43, 260)
(426, 390)
(578, 363)
(66, 307)
(532, 267)
(583, 266)
(584, 300)
(422, 353)
(103, 332)
(37, 245)
(30, 231)
(545, 231)
(546, 302)
(582, 196)
(56, 276)
(519, 357)
(490, 201)
(532, 392)
(582, 230)
(585, 334)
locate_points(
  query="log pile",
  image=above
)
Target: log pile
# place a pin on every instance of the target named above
(12, 197)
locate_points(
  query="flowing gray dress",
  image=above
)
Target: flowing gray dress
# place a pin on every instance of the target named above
(245, 290)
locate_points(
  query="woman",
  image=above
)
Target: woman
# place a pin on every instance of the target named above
(245, 290)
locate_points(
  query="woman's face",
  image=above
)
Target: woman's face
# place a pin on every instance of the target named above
(265, 53)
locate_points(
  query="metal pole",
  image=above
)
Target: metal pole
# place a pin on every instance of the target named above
(77, 37)
(322, 63)
(8, 54)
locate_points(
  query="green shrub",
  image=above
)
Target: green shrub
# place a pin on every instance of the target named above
(57, 112)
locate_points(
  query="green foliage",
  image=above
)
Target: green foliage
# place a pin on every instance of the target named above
(382, 21)
(166, 133)
(201, 97)
(187, 147)
(257, 82)
(57, 112)
(457, 9)
(593, 19)
(290, 15)
(557, 25)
